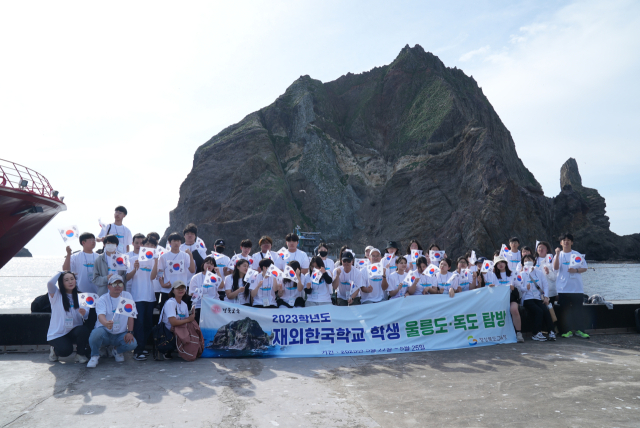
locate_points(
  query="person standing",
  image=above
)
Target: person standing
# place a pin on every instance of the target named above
(197, 284)
(102, 269)
(141, 289)
(236, 288)
(245, 253)
(173, 265)
(570, 288)
(265, 252)
(116, 228)
(81, 264)
(374, 285)
(198, 249)
(66, 326)
(320, 290)
(223, 261)
(112, 329)
(293, 253)
(533, 289)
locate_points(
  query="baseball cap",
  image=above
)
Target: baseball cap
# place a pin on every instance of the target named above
(347, 256)
(219, 243)
(115, 278)
(178, 283)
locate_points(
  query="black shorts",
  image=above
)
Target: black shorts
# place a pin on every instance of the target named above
(515, 296)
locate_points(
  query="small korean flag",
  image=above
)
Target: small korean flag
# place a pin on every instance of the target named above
(361, 263)
(472, 258)
(275, 272)
(250, 275)
(119, 261)
(577, 261)
(88, 300)
(504, 250)
(196, 296)
(289, 273)
(375, 270)
(415, 254)
(520, 278)
(282, 251)
(102, 224)
(200, 243)
(549, 259)
(127, 307)
(487, 266)
(146, 254)
(436, 256)
(316, 275)
(389, 259)
(69, 233)
(160, 251)
(352, 288)
(431, 270)
(409, 279)
(211, 280)
(175, 266)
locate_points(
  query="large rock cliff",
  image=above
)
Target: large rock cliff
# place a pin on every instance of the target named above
(409, 150)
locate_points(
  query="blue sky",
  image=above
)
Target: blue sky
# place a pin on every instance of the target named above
(91, 94)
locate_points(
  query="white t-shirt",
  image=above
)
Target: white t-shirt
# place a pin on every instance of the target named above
(193, 248)
(344, 285)
(502, 279)
(377, 295)
(174, 267)
(140, 286)
(395, 280)
(62, 322)
(423, 281)
(122, 233)
(237, 257)
(299, 256)
(107, 306)
(390, 264)
(442, 281)
(569, 282)
(266, 294)
(320, 292)
(240, 299)
(533, 278)
(463, 280)
(222, 261)
(257, 257)
(172, 309)
(81, 264)
(513, 259)
(291, 292)
(329, 265)
(197, 282)
(551, 276)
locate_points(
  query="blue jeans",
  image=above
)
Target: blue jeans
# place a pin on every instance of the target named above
(101, 337)
(143, 324)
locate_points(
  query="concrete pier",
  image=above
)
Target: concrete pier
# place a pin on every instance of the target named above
(570, 382)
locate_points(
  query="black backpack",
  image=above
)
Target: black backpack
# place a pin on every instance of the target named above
(41, 304)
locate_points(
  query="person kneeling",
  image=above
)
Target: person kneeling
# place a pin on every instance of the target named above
(176, 313)
(112, 329)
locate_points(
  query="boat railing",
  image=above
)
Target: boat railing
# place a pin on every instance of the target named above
(25, 179)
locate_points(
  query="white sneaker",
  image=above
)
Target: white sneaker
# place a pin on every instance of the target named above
(93, 362)
(52, 355)
(539, 337)
(552, 336)
(119, 357)
(519, 337)
(81, 359)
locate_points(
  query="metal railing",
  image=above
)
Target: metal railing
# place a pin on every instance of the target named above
(14, 175)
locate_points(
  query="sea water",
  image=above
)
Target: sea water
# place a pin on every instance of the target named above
(25, 278)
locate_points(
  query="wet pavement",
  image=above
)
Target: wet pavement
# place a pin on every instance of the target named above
(571, 382)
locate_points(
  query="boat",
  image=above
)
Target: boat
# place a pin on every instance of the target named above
(27, 203)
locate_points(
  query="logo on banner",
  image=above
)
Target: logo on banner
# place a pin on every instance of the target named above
(472, 341)
(216, 309)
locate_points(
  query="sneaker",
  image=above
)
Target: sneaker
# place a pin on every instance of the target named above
(52, 355)
(168, 356)
(551, 336)
(145, 352)
(119, 357)
(581, 334)
(519, 337)
(539, 337)
(567, 335)
(140, 357)
(93, 361)
(81, 359)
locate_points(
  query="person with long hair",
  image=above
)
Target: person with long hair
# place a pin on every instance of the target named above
(66, 326)
(198, 286)
(290, 294)
(323, 251)
(176, 312)
(397, 287)
(534, 289)
(265, 287)
(422, 280)
(321, 285)
(236, 287)
(413, 248)
(544, 260)
(344, 275)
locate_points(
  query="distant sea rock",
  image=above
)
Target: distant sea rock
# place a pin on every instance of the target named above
(409, 150)
(23, 253)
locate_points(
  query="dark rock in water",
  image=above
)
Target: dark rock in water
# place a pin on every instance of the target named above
(23, 253)
(242, 335)
(409, 150)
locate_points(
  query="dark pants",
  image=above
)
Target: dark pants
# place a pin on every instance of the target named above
(342, 302)
(539, 313)
(63, 345)
(163, 298)
(572, 311)
(143, 324)
(299, 303)
(90, 322)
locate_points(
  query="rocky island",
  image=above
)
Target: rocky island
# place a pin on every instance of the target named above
(408, 150)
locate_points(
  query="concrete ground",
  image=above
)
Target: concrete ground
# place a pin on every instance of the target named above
(571, 382)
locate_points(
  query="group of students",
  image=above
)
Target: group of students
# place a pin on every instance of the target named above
(176, 278)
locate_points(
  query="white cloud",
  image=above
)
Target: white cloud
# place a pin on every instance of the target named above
(480, 51)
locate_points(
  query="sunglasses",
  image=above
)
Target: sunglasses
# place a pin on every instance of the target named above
(117, 284)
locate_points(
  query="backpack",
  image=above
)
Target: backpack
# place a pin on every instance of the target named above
(41, 304)
(189, 340)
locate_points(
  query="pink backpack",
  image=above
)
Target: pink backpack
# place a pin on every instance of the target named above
(189, 340)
